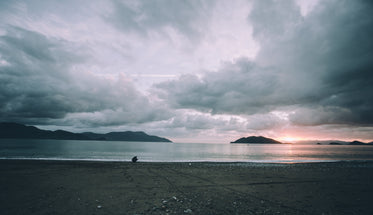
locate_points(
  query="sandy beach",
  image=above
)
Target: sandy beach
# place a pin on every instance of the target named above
(83, 187)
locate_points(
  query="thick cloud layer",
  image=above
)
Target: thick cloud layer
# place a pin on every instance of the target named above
(39, 82)
(190, 69)
(321, 63)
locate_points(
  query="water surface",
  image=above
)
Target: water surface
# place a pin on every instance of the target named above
(179, 152)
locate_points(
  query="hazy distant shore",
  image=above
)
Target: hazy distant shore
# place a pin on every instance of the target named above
(87, 187)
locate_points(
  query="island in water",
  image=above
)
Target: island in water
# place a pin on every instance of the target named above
(339, 142)
(12, 130)
(257, 140)
(355, 143)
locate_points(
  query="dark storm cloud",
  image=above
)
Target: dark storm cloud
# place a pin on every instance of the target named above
(342, 54)
(31, 75)
(237, 88)
(39, 81)
(323, 61)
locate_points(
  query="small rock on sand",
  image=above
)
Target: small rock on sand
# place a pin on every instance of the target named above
(188, 211)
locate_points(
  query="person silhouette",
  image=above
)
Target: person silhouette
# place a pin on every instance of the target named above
(134, 159)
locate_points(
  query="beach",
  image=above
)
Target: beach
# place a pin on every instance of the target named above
(92, 187)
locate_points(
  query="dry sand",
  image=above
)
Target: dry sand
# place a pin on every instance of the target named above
(76, 187)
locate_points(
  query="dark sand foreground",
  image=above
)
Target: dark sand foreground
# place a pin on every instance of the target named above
(71, 187)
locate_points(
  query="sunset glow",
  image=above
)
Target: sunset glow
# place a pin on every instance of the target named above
(288, 139)
(191, 71)
(186, 106)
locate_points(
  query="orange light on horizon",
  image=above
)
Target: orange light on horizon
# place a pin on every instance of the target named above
(288, 139)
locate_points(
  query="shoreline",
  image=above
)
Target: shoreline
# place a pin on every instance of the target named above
(191, 161)
(89, 187)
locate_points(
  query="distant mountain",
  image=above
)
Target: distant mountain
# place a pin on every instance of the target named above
(355, 142)
(19, 131)
(15, 130)
(126, 136)
(335, 143)
(257, 139)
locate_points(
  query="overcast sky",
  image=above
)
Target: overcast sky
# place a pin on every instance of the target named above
(191, 71)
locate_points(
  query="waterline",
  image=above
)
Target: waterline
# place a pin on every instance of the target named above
(179, 152)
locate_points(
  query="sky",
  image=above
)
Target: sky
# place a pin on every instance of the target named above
(191, 71)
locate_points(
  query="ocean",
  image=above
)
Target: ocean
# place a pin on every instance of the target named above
(179, 152)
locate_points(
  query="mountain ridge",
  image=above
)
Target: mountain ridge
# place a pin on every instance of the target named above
(13, 130)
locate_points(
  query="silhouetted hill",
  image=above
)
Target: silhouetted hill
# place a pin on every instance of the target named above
(15, 130)
(127, 136)
(355, 143)
(257, 139)
(10, 130)
(19, 131)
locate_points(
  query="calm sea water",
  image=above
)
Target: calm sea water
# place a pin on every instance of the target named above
(175, 152)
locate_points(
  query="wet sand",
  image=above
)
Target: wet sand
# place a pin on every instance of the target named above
(77, 187)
